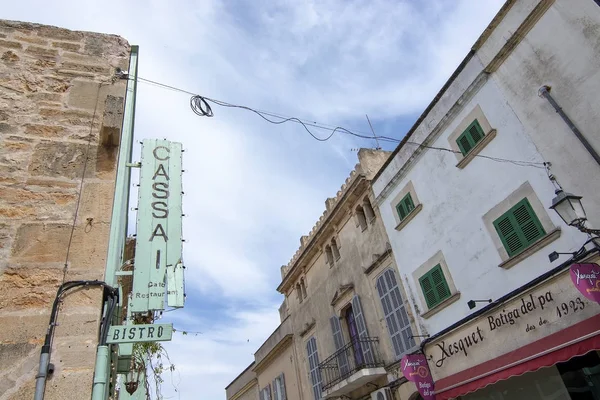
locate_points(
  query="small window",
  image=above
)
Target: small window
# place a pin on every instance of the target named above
(434, 286)
(405, 206)
(519, 227)
(329, 255)
(470, 137)
(303, 288)
(368, 209)
(361, 219)
(335, 250)
(299, 292)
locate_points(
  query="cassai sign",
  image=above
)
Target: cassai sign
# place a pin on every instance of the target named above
(158, 271)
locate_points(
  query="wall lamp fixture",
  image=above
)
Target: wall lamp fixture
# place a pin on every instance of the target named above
(471, 303)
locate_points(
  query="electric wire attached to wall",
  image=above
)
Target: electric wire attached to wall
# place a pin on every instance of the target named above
(85, 164)
(201, 107)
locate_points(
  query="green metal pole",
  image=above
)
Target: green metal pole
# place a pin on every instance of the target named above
(118, 223)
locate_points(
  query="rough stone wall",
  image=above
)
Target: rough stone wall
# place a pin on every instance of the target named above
(60, 117)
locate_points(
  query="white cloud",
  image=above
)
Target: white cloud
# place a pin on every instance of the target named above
(252, 188)
(208, 362)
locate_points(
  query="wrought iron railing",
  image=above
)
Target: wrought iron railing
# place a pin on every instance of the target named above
(360, 353)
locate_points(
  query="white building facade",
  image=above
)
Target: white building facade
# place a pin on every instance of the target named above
(465, 201)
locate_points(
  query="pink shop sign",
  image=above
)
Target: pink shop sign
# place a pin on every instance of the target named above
(586, 277)
(415, 369)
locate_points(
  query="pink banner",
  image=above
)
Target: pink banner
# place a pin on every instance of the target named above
(586, 278)
(415, 369)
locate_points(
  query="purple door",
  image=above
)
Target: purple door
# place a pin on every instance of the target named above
(358, 357)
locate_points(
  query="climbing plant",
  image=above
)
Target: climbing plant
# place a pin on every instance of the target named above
(151, 360)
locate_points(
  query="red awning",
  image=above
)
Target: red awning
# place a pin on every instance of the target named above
(573, 341)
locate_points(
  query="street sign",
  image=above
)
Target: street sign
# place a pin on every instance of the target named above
(159, 235)
(140, 333)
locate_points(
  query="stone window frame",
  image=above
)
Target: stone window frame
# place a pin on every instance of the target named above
(489, 134)
(335, 249)
(360, 218)
(525, 190)
(437, 258)
(408, 188)
(368, 209)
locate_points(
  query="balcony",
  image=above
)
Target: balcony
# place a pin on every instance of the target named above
(351, 367)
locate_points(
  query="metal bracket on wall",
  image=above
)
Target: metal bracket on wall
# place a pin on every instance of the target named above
(134, 165)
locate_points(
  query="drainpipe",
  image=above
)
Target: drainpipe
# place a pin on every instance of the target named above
(101, 372)
(545, 92)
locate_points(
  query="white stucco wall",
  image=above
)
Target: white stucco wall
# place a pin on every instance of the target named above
(562, 50)
(454, 202)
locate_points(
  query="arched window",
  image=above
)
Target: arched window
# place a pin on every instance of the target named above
(369, 213)
(329, 255)
(335, 250)
(361, 219)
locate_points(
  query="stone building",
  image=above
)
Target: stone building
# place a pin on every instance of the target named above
(244, 386)
(344, 321)
(60, 118)
(473, 225)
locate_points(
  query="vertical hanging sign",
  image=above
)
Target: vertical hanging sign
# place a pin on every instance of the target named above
(158, 240)
(415, 369)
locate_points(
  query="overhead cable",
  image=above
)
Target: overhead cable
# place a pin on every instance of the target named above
(200, 106)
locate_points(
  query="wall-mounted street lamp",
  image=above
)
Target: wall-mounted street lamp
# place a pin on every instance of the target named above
(471, 303)
(133, 378)
(570, 209)
(568, 206)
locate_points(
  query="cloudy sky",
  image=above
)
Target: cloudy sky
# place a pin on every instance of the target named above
(252, 188)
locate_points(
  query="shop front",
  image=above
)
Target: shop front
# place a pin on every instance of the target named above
(539, 342)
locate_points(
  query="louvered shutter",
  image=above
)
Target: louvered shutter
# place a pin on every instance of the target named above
(476, 135)
(361, 325)
(283, 394)
(275, 385)
(528, 222)
(394, 310)
(428, 290)
(408, 203)
(439, 282)
(519, 227)
(464, 144)
(509, 234)
(338, 340)
(401, 211)
(313, 364)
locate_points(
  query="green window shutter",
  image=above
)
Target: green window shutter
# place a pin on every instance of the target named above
(528, 222)
(440, 285)
(470, 137)
(519, 227)
(405, 206)
(428, 290)
(509, 235)
(464, 144)
(401, 211)
(408, 203)
(476, 132)
(435, 287)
